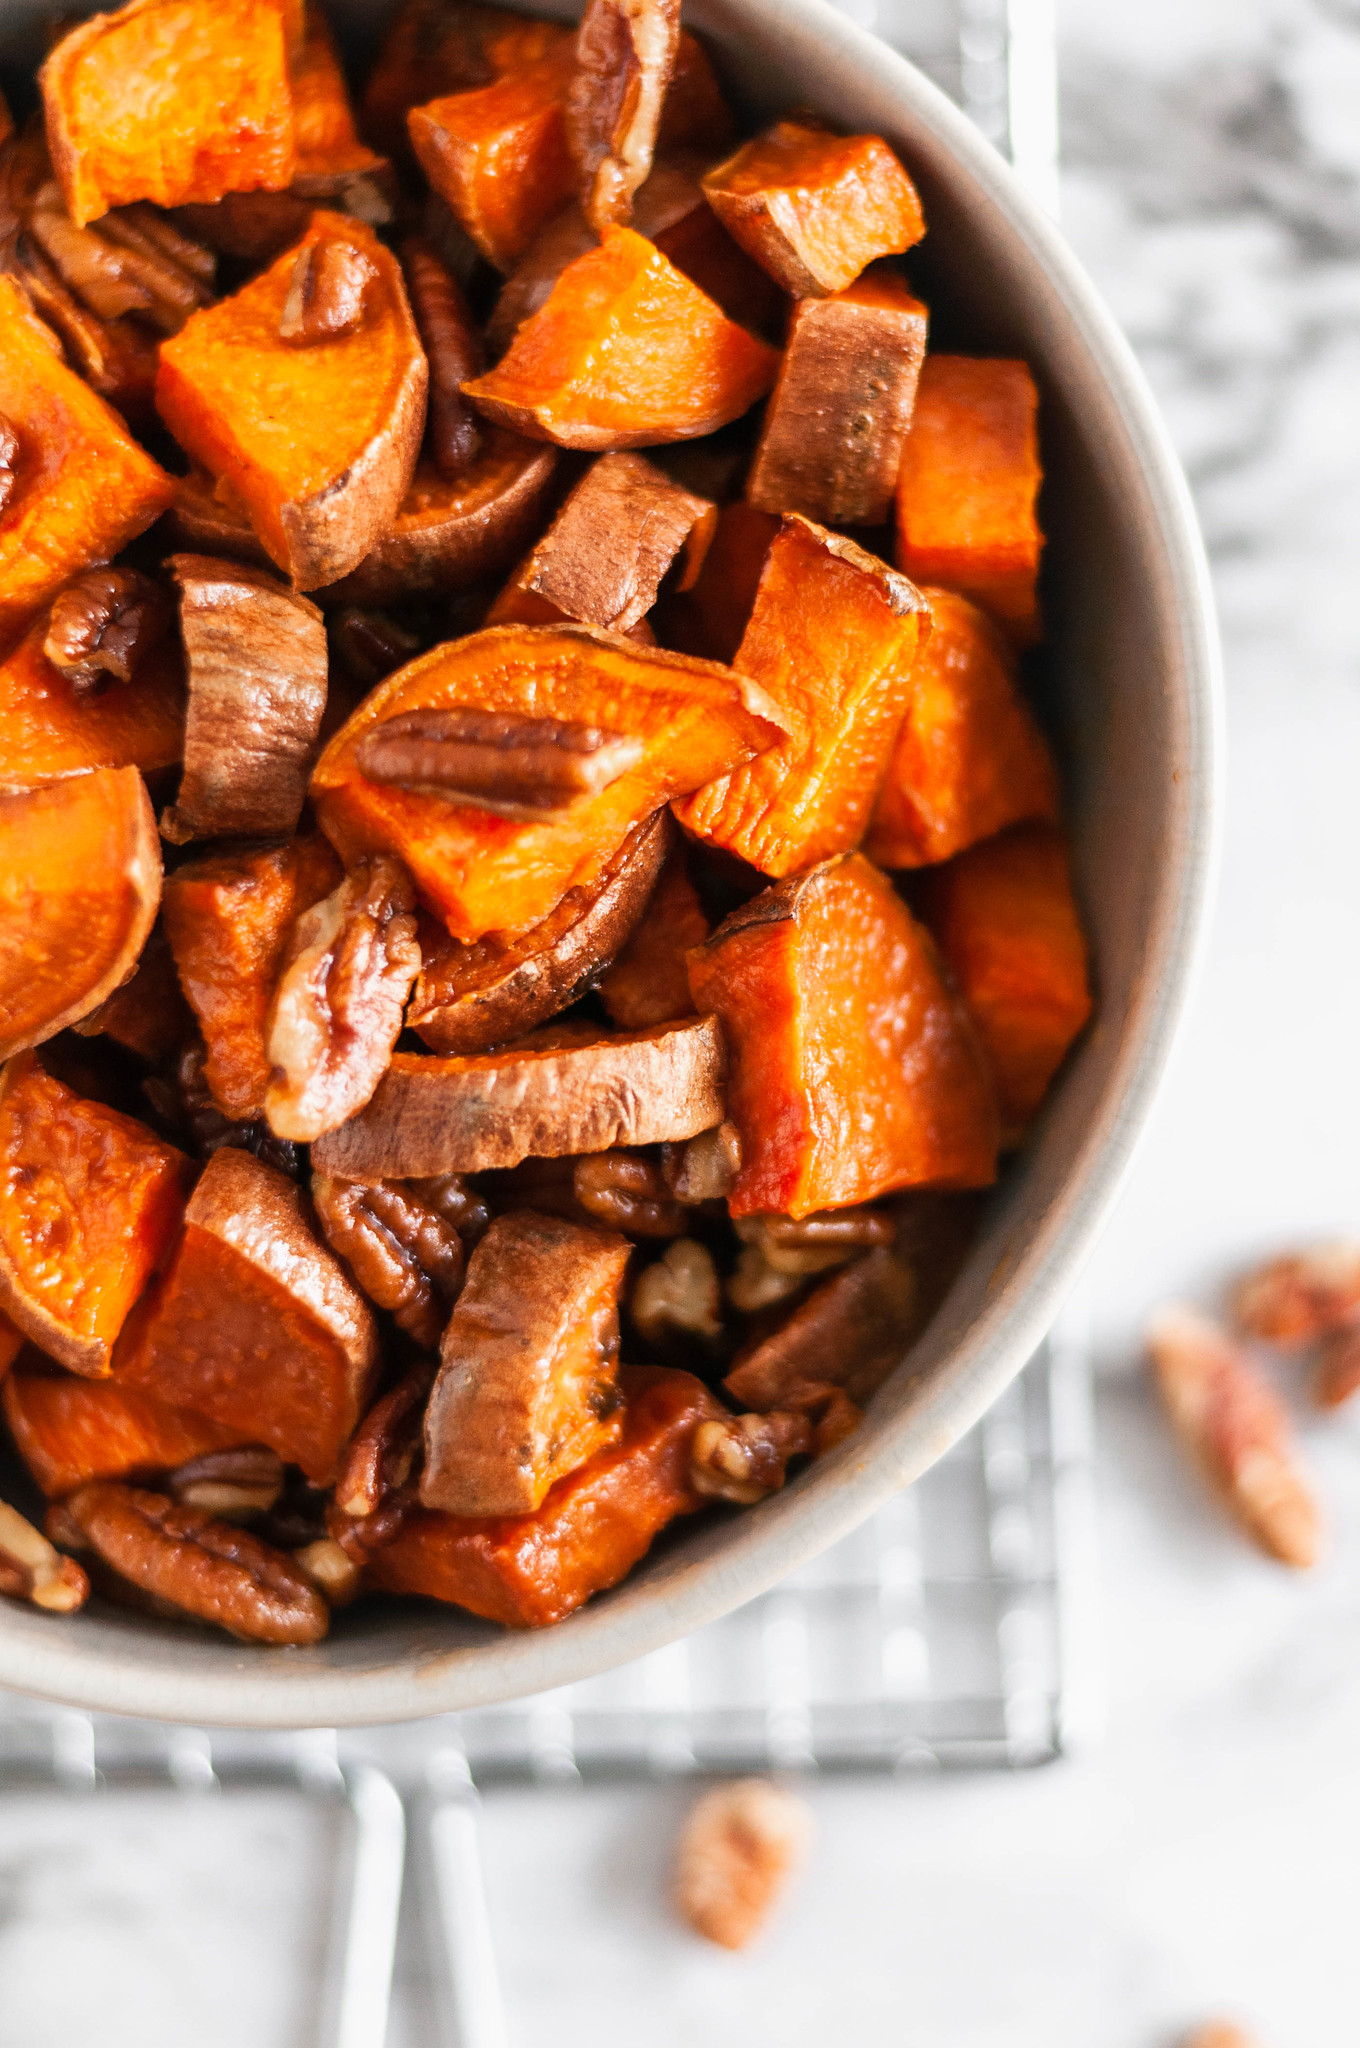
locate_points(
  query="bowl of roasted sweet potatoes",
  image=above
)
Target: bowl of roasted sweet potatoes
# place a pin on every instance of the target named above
(607, 751)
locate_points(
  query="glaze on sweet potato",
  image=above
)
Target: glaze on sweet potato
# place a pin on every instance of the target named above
(530, 1570)
(625, 52)
(649, 983)
(80, 881)
(625, 353)
(853, 1068)
(90, 1202)
(815, 208)
(498, 156)
(318, 442)
(438, 47)
(169, 100)
(83, 487)
(1007, 924)
(833, 639)
(966, 493)
(48, 730)
(256, 1324)
(970, 758)
(838, 417)
(228, 918)
(70, 1431)
(481, 872)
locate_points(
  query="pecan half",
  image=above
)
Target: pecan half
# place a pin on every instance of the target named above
(184, 1102)
(502, 761)
(331, 1570)
(326, 292)
(678, 1297)
(382, 1451)
(735, 1856)
(454, 348)
(9, 460)
(201, 1566)
(175, 282)
(743, 1457)
(92, 268)
(625, 51)
(338, 1004)
(703, 1169)
(102, 624)
(233, 1485)
(627, 1191)
(155, 228)
(370, 644)
(1301, 1297)
(404, 1253)
(814, 1244)
(31, 1569)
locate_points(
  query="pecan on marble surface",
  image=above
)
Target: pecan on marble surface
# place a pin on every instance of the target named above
(1302, 1296)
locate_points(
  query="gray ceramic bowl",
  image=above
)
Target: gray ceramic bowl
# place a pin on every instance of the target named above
(1132, 683)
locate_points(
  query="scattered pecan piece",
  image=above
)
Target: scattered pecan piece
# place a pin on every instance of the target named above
(1338, 1371)
(9, 460)
(102, 624)
(1232, 1422)
(202, 1566)
(185, 1103)
(743, 1457)
(93, 268)
(370, 645)
(627, 1191)
(736, 1854)
(502, 761)
(233, 1485)
(625, 52)
(454, 348)
(678, 1296)
(331, 1570)
(382, 1451)
(326, 292)
(31, 1569)
(815, 1243)
(704, 1169)
(361, 1536)
(1301, 1297)
(155, 228)
(338, 1004)
(407, 1257)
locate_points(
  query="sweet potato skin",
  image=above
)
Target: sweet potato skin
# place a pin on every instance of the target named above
(528, 1571)
(853, 1069)
(649, 982)
(498, 156)
(47, 731)
(69, 1431)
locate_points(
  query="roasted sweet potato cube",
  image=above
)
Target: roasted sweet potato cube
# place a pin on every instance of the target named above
(853, 1068)
(69, 1431)
(229, 918)
(498, 157)
(711, 618)
(833, 639)
(317, 439)
(1007, 924)
(625, 353)
(625, 52)
(83, 488)
(815, 208)
(528, 1378)
(851, 1332)
(482, 872)
(256, 1324)
(80, 881)
(332, 163)
(838, 417)
(543, 1098)
(437, 47)
(257, 667)
(469, 998)
(965, 495)
(530, 1570)
(649, 982)
(169, 100)
(147, 1014)
(49, 729)
(89, 1203)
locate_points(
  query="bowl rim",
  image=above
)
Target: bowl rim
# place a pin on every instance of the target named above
(254, 1692)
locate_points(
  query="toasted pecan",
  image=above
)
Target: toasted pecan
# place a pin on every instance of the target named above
(453, 346)
(31, 1569)
(327, 290)
(738, 1850)
(502, 761)
(405, 1254)
(102, 624)
(743, 1457)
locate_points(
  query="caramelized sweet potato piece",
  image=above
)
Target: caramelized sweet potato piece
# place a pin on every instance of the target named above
(169, 100)
(469, 998)
(530, 1570)
(535, 1100)
(147, 1015)
(437, 47)
(833, 638)
(256, 1324)
(851, 1332)
(89, 1203)
(69, 1431)
(815, 208)
(334, 168)
(319, 440)
(838, 417)
(711, 618)
(625, 353)
(625, 52)
(257, 663)
(649, 983)
(82, 487)
(965, 495)
(50, 728)
(199, 522)
(498, 156)
(229, 918)
(1007, 925)
(853, 1069)
(11, 1344)
(527, 1387)
(482, 872)
(80, 880)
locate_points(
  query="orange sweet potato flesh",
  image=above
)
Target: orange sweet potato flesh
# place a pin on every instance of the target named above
(256, 1324)
(970, 758)
(228, 918)
(625, 353)
(815, 208)
(438, 47)
(84, 489)
(80, 881)
(89, 1204)
(853, 1068)
(69, 1431)
(169, 100)
(484, 873)
(326, 139)
(711, 618)
(319, 443)
(649, 983)
(530, 1570)
(970, 475)
(47, 731)
(498, 157)
(833, 640)
(1005, 919)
